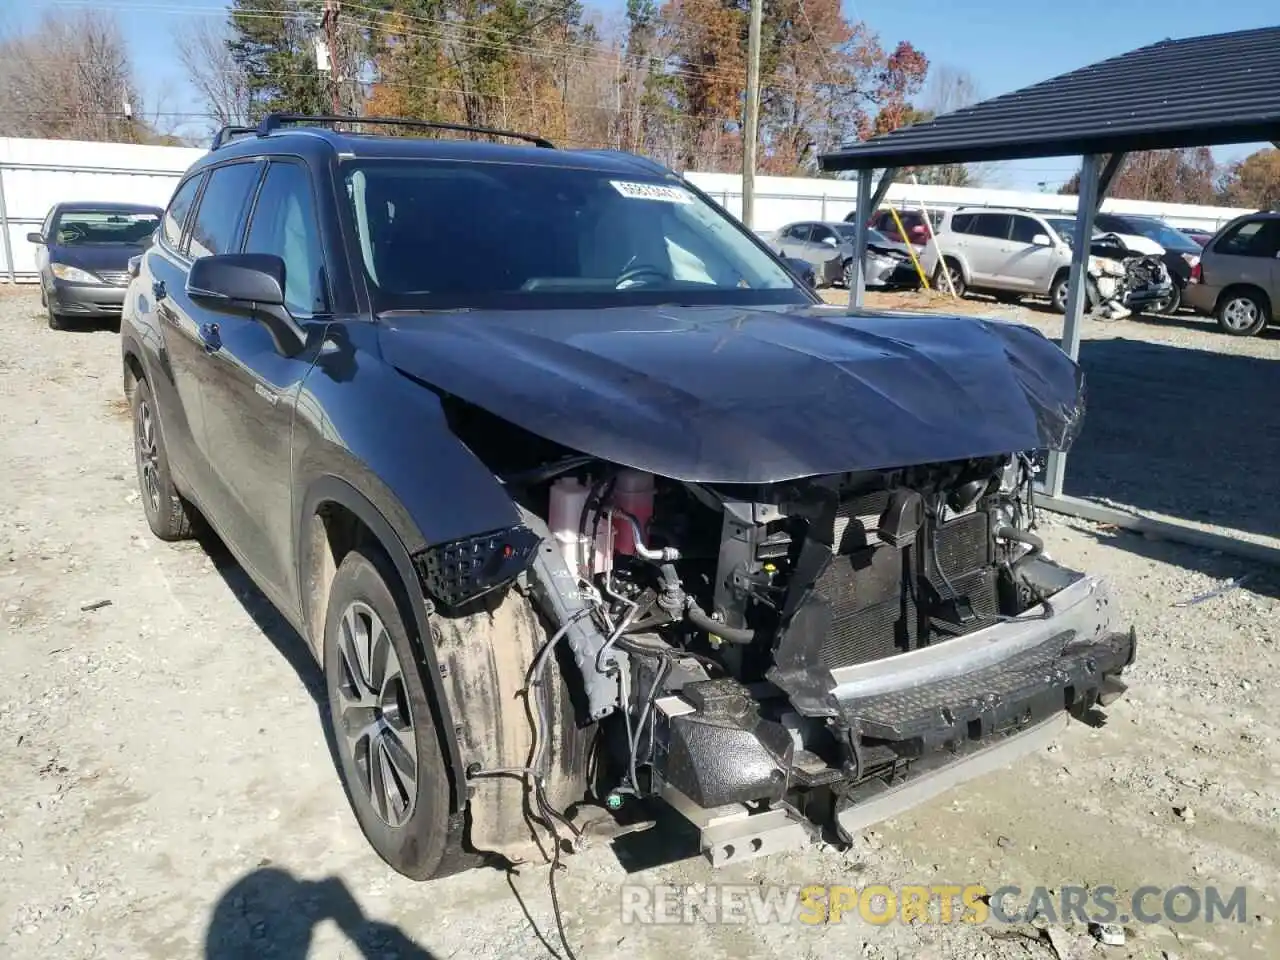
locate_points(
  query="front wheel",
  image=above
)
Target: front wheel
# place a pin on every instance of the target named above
(1167, 305)
(1058, 295)
(949, 268)
(848, 275)
(1242, 313)
(390, 759)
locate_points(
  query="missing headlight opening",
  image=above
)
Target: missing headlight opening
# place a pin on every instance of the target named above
(792, 660)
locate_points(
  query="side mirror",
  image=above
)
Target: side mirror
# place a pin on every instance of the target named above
(35, 236)
(802, 269)
(830, 241)
(1042, 240)
(251, 284)
(134, 267)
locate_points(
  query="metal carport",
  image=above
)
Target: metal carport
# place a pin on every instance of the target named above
(1201, 91)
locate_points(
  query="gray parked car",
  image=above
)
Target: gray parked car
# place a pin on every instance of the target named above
(1237, 280)
(83, 252)
(828, 247)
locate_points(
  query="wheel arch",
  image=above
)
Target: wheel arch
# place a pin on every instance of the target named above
(959, 261)
(132, 368)
(335, 518)
(1250, 288)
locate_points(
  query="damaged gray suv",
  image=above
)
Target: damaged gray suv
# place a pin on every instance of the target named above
(587, 506)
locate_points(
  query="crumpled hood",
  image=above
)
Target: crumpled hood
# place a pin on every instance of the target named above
(751, 395)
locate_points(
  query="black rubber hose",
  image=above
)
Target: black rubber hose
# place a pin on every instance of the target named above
(1022, 536)
(698, 617)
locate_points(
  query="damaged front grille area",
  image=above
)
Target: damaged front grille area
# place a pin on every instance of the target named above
(886, 600)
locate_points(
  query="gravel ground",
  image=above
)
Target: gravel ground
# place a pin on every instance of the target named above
(168, 792)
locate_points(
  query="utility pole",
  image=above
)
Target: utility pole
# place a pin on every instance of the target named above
(751, 128)
(329, 21)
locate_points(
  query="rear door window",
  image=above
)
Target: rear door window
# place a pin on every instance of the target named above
(799, 232)
(961, 222)
(993, 225)
(1253, 238)
(175, 218)
(223, 204)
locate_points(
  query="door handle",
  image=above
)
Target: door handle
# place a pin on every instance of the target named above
(157, 289)
(211, 337)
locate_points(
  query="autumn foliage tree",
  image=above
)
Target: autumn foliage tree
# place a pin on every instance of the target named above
(1168, 176)
(667, 78)
(1253, 182)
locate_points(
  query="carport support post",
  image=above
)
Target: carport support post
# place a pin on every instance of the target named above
(1086, 207)
(862, 225)
(867, 204)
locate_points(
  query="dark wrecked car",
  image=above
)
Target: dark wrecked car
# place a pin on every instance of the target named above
(585, 503)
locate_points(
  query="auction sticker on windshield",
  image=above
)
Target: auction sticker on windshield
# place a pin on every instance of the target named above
(652, 191)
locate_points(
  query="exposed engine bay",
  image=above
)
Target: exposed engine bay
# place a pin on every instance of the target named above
(723, 629)
(1126, 279)
(718, 590)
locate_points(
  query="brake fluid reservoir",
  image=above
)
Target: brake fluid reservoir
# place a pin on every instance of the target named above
(564, 518)
(633, 492)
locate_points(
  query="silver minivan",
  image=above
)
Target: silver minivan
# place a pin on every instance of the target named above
(1237, 280)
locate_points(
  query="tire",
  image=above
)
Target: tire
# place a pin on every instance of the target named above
(56, 322)
(389, 753)
(1169, 305)
(168, 515)
(1061, 287)
(957, 278)
(1242, 313)
(846, 276)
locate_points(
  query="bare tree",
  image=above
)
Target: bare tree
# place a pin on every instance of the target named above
(949, 89)
(69, 78)
(204, 49)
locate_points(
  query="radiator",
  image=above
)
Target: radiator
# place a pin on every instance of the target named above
(872, 587)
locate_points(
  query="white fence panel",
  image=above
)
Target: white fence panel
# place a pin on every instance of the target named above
(781, 200)
(36, 174)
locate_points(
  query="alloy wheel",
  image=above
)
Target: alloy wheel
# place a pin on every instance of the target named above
(376, 720)
(148, 455)
(1240, 313)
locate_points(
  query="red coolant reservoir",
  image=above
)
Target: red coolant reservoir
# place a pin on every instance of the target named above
(632, 492)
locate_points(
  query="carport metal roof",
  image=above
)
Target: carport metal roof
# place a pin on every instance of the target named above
(1212, 90)
(1201, 91)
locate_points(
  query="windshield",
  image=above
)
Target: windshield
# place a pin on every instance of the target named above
(849, 233)
(1165, 235)
(85, 228)
(1065, 227)
(447, 235)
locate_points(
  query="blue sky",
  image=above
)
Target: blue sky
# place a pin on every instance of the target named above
(1004, 44)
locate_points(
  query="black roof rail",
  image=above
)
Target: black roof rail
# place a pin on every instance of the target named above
(275, 121)
(228, 133)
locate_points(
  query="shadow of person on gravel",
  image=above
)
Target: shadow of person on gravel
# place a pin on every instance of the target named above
(271, 913)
